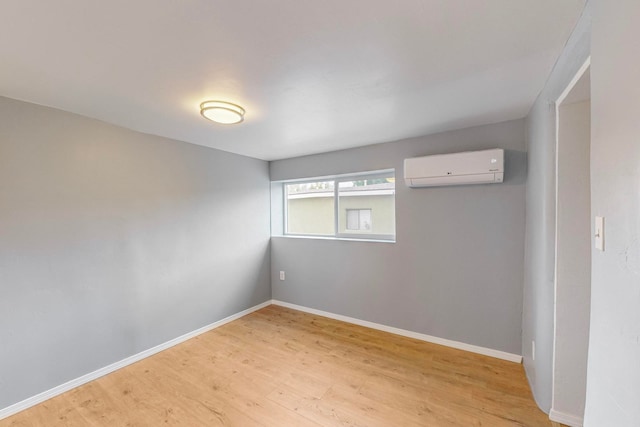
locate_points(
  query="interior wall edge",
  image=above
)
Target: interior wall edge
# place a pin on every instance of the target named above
(539, 264)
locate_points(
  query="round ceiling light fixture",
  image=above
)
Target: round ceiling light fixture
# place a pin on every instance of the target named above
(222, 112)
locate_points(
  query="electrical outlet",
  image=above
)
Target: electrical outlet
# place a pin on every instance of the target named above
(281, 275)
(533, 350)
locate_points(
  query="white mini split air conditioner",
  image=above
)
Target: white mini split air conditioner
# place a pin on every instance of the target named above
(471, 167)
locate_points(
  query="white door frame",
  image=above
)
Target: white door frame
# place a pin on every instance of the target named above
(555, 416)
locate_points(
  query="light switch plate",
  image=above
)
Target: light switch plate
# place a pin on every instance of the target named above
(599, 234)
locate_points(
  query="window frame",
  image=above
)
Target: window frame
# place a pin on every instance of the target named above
(337, 179)
(359, 211)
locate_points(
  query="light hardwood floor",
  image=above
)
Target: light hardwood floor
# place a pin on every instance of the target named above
(281, 367)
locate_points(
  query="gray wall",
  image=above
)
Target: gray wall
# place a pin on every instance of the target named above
(456, 269)
(613, 382)
(112, 242)
(538, 306)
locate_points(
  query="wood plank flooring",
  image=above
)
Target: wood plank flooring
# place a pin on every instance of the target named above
(281, 367)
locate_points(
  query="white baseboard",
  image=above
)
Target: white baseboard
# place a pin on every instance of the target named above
(567, 419)
(39, 398)
(428, 338)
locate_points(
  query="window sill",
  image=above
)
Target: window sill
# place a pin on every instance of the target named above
(347, 239)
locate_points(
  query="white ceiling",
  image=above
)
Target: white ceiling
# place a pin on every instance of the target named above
(313, 76)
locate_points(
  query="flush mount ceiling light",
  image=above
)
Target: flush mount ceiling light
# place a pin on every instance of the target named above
(222, 112)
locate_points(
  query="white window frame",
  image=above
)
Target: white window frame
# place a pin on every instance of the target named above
(337, 179)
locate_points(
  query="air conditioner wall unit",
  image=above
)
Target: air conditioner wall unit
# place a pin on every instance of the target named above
(471, 167)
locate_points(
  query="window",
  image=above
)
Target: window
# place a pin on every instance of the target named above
(310, 207)
(359, 219)
(360, 206)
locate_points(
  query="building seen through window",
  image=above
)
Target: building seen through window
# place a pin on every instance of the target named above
(359, 206)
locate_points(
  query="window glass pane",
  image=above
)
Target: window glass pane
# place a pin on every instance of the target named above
(367, 206)
(310, 208)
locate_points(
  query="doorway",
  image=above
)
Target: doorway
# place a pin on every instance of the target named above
(573, 250)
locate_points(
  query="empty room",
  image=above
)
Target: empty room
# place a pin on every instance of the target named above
(295, 213)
